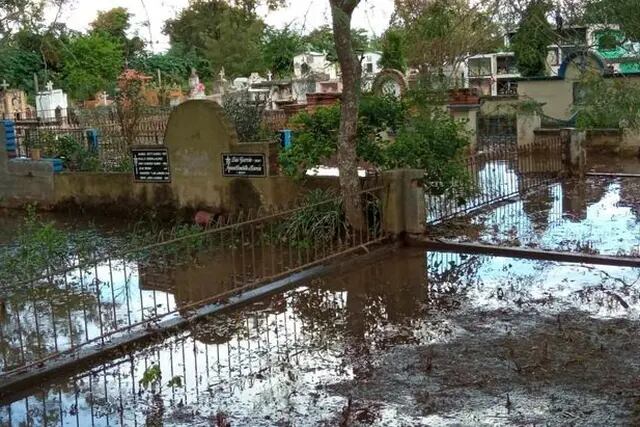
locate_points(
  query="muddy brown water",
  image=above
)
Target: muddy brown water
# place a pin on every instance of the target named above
(422, 338)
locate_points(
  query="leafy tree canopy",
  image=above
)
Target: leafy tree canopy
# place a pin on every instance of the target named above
(222, 34)
(116, 23)
(625, 13)
(279, 47)
(393, 44)
(321, 40)
(175, 64)
(16, 14)
(92, 63)
(444, 32)
(532, 39)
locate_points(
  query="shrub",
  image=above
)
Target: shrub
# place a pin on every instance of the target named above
(390, 135)
(246, 116)
(74, 155)
(607, 103)
(315, 140)
(321, 220)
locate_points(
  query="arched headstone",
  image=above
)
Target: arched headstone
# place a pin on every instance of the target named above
(390, 82)
(208, 168)
(196, 137)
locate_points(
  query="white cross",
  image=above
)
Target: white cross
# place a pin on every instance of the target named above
(50, 86)
(4, 85)
(221, 74)
(269, 75)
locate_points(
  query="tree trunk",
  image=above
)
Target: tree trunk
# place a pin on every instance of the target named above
(341, 11)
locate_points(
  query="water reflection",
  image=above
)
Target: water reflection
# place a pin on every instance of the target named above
(596, 216)
(295, 358)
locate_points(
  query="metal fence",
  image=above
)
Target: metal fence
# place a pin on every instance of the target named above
(498, 130)
(498, 174)
(115, 135)
(96, 301)
(235, 353)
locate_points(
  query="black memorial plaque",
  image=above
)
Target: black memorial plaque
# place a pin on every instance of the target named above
(151, 164)
(250, 165)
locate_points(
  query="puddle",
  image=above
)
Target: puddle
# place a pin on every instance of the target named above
(600, 216)
(418, 339)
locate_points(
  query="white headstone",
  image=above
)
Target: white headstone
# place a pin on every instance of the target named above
(49, 101)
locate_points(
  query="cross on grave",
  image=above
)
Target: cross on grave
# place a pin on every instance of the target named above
(221, 74)
(269, 75)
(4, 85)
(49, 86)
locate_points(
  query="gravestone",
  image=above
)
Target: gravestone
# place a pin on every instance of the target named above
(50, 100)
(210, 170)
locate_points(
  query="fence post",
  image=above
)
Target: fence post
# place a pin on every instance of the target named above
(575, 156)
(404, 207)
(92, 140)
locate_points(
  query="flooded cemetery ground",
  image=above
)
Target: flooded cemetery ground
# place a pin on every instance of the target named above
(421, 339)
(415, 338)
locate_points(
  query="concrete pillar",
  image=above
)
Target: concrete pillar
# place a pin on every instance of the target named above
(575, 156)
(527, 124)
(630, 141)
(404, 206)
(468, 115)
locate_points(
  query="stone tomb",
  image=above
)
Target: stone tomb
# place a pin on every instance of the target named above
(210, 169)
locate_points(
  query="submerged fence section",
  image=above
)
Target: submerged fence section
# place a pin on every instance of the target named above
(497, 174)
(94, 302)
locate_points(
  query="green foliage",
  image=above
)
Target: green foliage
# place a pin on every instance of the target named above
(315, 137)
(175, 382)
(445, 32)
(238, 45)
(316, 134)
(115, 23)
(246, 116)
(391, 134)
(394, 49)
(321, 40)
(528, 107)
(278, 48)
(151, 377)
(19, 13)
(175, 64)
(623, 13)
(40, 246)
(223, 35)
(74, 154)
(431, 140)
(608, 103)
(321, 220)
(18, 66)
(532, 39)
(92, 63)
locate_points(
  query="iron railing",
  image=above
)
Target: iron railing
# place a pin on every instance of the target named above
(205, 366)
(114, 138)
(498, 174)
(112, 296)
